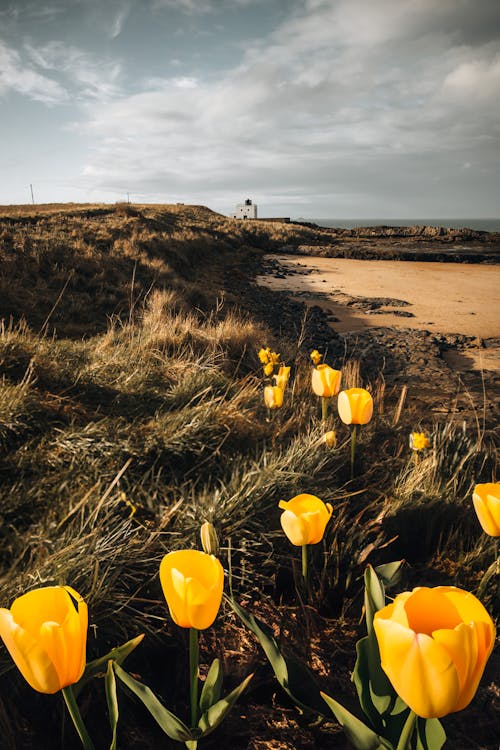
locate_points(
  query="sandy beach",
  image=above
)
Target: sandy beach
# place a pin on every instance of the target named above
(438, 297)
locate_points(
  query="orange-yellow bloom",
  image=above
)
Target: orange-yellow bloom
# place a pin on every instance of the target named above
(434, 644)
(45, 632)
(316, 357)
(264, 355)
(192, 584)
(355, 406)
(304, 519)
(419, 441)
(281, 379)
(330, 438)
(325, 381)
(268, 369)
(273, 396)
(486, 499)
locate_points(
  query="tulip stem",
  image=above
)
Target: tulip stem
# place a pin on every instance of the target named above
(324, 408)
(194, 655)
(74, 712)
(353, 447)
(304, 564)
(406, 734)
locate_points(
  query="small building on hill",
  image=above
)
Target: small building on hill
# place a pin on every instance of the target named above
(246, 210)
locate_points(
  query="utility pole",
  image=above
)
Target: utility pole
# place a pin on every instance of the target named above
(128, 197)
(32, 198)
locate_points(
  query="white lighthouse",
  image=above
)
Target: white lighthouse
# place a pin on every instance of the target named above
(246, 210)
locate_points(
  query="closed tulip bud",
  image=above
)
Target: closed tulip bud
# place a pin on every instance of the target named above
(316, 357)
(273, 396)
(192, 584)
(264, 356)
(45, 632)
(434, 644)
(268, 369)
(330, 438)
(325, 381)
(304, 519)
(209, 539)
(355, 406)
(281, 379)
(486, 499)
(419, 441)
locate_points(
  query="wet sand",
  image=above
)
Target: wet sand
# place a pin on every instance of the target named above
(441, 297)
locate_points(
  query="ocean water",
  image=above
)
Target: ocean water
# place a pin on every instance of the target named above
(485, 225)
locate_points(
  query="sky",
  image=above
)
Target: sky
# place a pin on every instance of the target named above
(312, 108)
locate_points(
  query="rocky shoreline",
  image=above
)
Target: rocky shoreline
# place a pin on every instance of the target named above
(424, 243)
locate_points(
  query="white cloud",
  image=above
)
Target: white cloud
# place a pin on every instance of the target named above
(119, 21)
(16, 75)
(87, 76)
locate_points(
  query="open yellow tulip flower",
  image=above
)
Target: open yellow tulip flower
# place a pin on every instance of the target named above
(192, 584)
(273, 396)
(434, 644)
(486, 499)
(325, 381)
(45, 632)
(281, 379)
(304, 519)
(419, 441)
(355, 406)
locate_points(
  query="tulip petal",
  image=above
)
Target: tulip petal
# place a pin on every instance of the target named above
(344, 408)
(488, 513)
(420, 670)
(294, 527)
(29, 657)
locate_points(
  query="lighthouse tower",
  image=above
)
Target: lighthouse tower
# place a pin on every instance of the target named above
(246, 210)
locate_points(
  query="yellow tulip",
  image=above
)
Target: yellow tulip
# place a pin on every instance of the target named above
(325, 381)
(281, 379)
(419, 441)
(355, 406)
(330, 438)
(264, 355)
(268, 369)
(434, 644)
(273, 396)
(486, 499)
(45, 632)
(316, 357)
(192, 584)
(304, 519)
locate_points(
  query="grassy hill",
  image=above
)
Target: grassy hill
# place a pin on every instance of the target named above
(131, 411)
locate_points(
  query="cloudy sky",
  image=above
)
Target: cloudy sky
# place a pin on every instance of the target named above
(313, 108)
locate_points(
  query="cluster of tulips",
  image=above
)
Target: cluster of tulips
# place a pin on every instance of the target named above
(355, 405)
(422, 659)
(430, 645)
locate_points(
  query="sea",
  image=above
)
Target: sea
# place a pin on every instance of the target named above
(485, 225)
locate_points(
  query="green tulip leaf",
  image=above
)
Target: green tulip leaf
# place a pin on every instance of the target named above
(169, 722)
(430, 734)
(293, 676)
(212, 687)
(374, 596)
(390, 573)
(112, 701)
(374, 692)
(99, 666)
(218, 711)
(358, 734)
